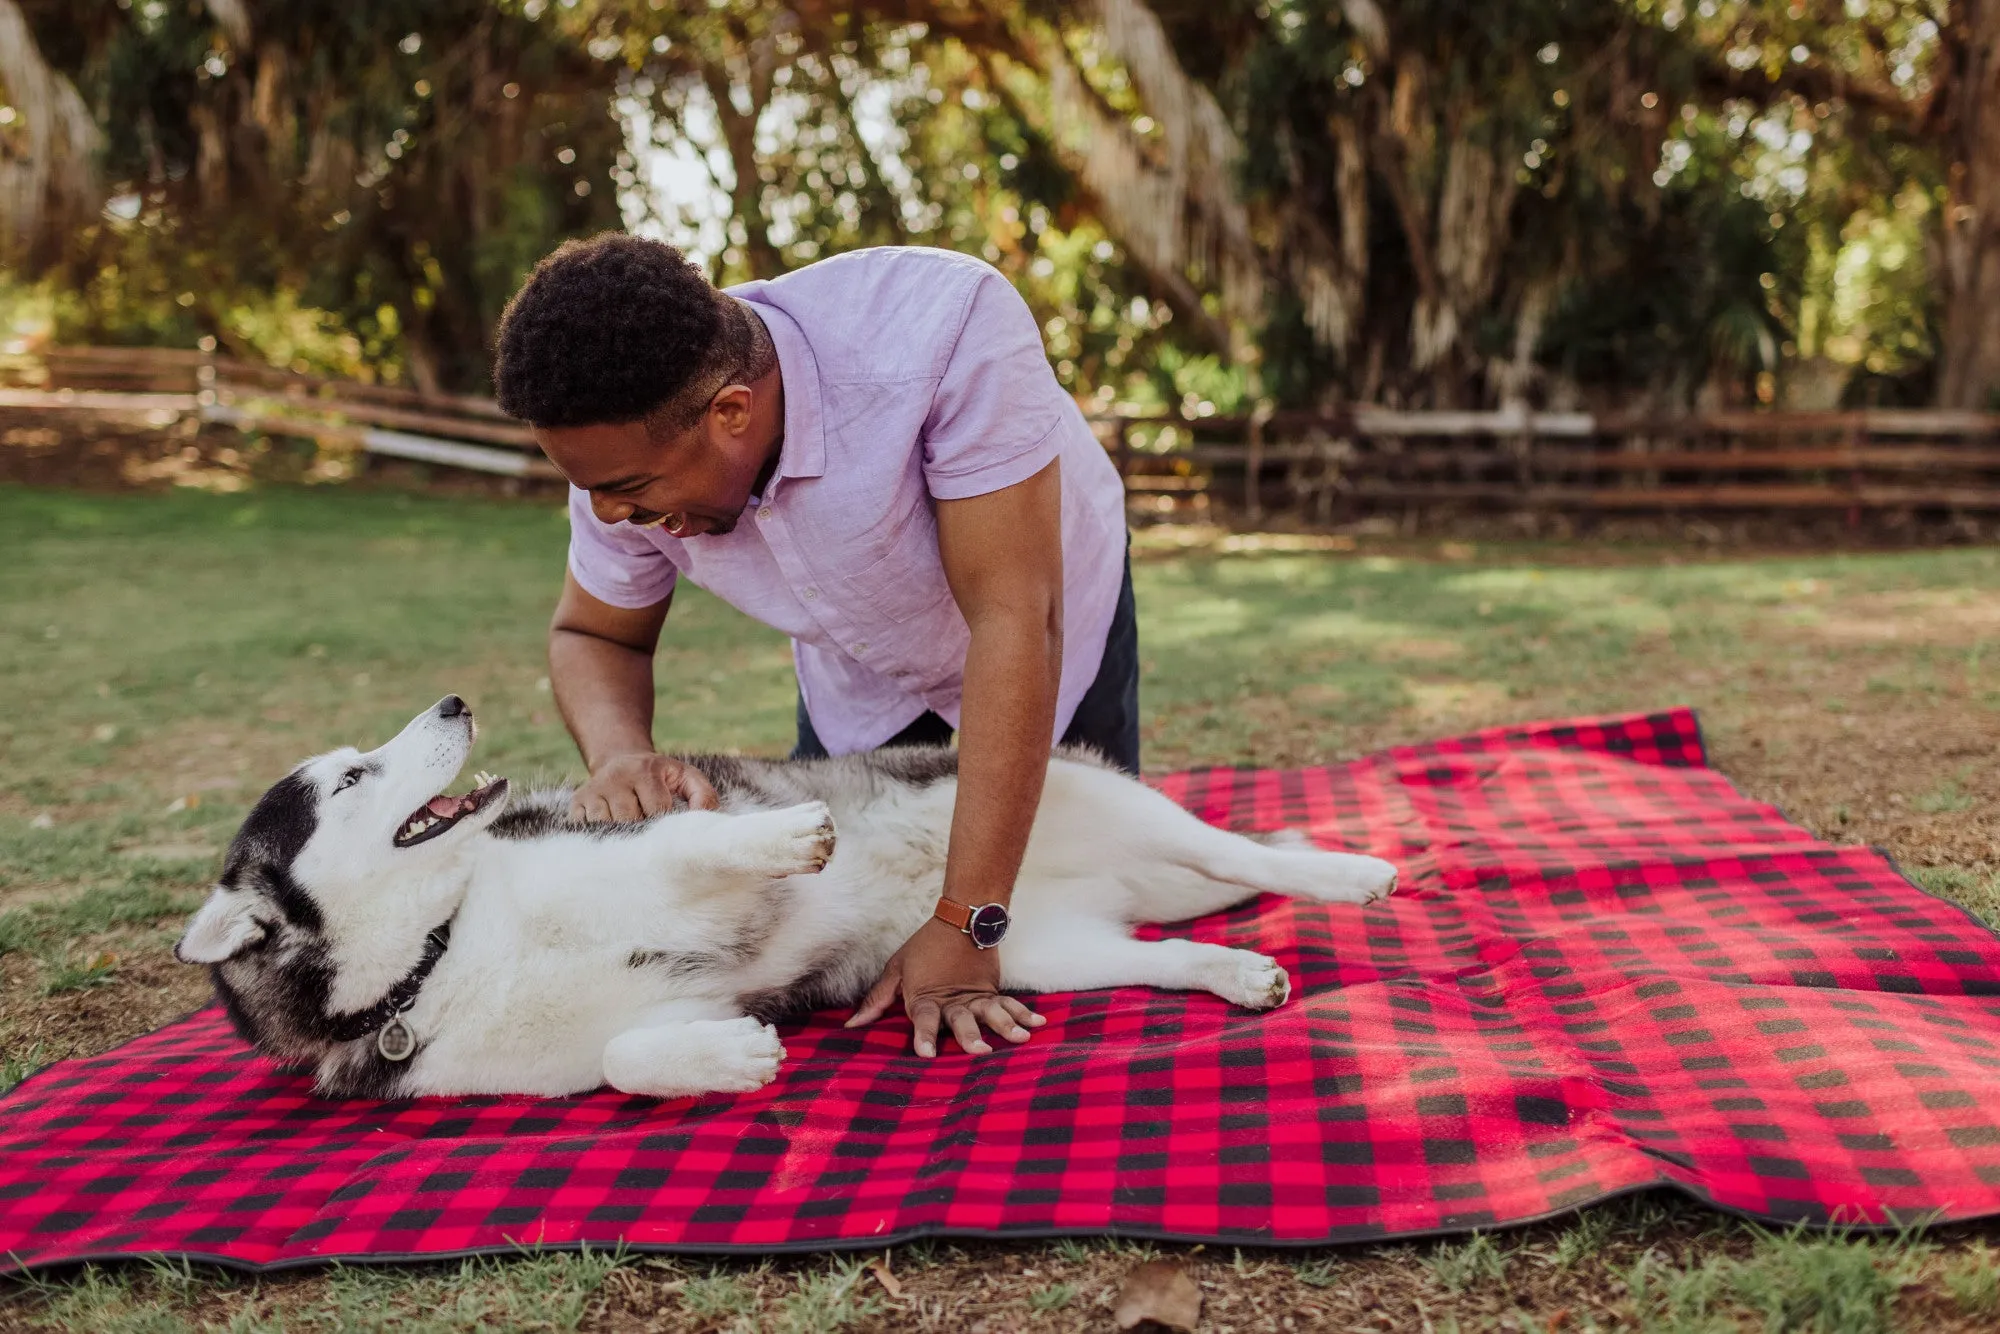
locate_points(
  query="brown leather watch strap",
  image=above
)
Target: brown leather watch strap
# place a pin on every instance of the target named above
(953, 914)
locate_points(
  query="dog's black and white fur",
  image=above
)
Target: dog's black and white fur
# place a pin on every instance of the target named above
(649, 956)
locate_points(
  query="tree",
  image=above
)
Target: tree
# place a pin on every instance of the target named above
(397, 164)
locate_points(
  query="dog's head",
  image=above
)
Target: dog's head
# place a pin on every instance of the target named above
(337, 875)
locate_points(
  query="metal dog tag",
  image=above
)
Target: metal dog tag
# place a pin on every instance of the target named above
(396, 1042)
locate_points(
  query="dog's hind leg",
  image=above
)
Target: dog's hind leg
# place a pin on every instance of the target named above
(1063, 953)
(1237, 867)
(685, 1059)
(1172, 865)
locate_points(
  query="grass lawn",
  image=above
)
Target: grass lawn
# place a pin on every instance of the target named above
(164, 657)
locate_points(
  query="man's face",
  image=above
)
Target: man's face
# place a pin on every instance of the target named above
(694, 483)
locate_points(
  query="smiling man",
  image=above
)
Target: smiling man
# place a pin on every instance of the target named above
(872, 455)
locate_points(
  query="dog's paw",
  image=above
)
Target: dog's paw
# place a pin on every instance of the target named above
(688, 1060)
(801, 838)
(1253, 981)
(745, 1055)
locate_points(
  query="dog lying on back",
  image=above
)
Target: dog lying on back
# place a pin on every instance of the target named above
(398, 942)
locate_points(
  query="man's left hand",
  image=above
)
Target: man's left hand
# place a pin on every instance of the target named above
(945, 979)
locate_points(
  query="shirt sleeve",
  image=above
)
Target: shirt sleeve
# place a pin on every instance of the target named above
(995, 418)
(614, 562)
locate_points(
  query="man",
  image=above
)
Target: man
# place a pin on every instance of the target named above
(872, 455)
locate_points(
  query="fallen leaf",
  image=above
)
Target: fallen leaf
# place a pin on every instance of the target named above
(1558, 1320)
(890, 1283)
(187, 803)
(1158, 1293)
(43, 821)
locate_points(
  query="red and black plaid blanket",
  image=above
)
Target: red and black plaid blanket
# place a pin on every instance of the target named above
(1606, 970)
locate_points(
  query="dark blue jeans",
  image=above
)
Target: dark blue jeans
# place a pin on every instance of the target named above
(1107, 718)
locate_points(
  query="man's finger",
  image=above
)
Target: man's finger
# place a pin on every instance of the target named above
(596, 810)
(655, 797)
(996, 1015)
(924, 1015)
(965, 1027)
(880, 996)
(1021, 1014)
(625, 806)
(694, 785)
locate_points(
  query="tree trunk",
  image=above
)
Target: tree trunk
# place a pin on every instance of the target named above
(1969, 240)
(746, 192)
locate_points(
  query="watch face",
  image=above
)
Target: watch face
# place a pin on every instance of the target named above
(988, 925)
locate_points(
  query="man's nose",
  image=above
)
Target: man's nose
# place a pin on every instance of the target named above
(610, 510)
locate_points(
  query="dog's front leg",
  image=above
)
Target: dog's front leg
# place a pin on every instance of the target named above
(722, 851)
(687, 1059)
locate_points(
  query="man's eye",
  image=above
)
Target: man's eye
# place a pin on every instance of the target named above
(349, 779)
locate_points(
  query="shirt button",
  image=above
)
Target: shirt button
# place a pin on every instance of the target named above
(810, 594)
(861, 648)
(764, 513)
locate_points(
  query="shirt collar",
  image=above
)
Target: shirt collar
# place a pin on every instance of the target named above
(804, 450)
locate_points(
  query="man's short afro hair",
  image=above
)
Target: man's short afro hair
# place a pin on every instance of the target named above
(606, 330)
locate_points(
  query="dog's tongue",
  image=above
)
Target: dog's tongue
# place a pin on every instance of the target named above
(442, 806)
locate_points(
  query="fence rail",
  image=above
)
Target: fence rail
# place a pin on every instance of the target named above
(1357, 459)
(1371, 458)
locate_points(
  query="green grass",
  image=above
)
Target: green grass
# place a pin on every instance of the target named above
(1457, 1266)
(163, 658)
(1811, 1283)
(1978, 893)
(1054, 1297)
(17, 1065)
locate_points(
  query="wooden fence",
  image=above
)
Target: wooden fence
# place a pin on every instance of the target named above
(1374, 458)
(1326, 464)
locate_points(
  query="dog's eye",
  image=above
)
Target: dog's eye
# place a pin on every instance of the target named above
(349, 779)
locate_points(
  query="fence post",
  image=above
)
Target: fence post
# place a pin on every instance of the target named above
(1253, 465)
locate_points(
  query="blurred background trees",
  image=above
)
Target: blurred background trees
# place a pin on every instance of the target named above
(1666, 203)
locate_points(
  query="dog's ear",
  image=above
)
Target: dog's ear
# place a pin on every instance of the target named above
(222, 929)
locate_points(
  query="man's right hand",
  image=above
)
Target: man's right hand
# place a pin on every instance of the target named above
(632, 787)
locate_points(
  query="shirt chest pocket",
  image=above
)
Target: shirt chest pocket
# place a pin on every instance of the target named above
(899, 574)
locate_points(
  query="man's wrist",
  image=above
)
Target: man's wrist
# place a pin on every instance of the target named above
(611, 755)
(983, 924)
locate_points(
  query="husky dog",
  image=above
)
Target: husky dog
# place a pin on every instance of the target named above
(398, 943)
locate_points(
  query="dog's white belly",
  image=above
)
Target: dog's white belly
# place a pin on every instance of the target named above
(539, 1024)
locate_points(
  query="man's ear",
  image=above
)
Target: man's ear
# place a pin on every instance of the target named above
(222, 929)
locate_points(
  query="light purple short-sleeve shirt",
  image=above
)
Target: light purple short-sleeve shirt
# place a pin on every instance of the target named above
(911, 376)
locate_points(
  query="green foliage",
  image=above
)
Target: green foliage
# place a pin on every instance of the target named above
(1718, 202)
(349, 159)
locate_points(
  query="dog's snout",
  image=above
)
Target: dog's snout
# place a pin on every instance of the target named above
(451, 706)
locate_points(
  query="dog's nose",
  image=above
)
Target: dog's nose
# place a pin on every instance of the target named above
(451, 706)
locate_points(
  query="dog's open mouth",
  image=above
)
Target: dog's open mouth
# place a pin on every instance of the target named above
(442, 812)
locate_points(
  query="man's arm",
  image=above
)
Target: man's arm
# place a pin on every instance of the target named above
(1002, 556)
(601, 671)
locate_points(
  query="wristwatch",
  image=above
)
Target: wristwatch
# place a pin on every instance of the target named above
(987, 924)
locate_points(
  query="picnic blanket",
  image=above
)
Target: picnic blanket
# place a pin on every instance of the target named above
(1606, 970)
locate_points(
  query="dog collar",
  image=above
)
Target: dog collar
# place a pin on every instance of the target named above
(384, 1018)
